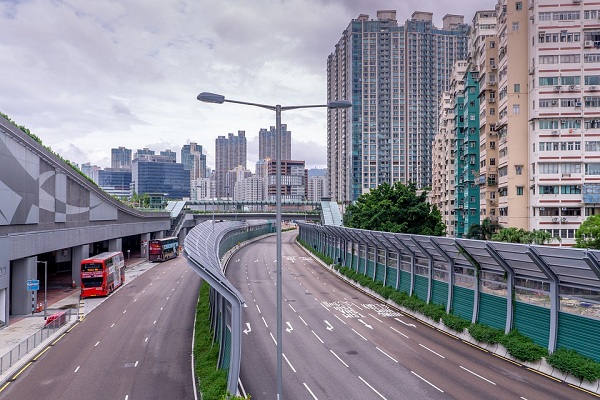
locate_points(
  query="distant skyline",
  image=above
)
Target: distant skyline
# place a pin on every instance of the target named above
(90, 76)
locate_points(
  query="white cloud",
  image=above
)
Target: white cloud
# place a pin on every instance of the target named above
(86, 76)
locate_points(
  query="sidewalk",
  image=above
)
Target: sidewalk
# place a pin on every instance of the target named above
(22, 327)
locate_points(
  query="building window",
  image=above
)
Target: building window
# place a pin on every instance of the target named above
(519, 169)
(519, 5)
(517, 88)
(519, 190)
(515, 26)
(516, 109)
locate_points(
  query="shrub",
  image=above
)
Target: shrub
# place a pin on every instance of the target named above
(455, 323)
(485, 333)
(434, 311)
(571, 362)
(521, 347)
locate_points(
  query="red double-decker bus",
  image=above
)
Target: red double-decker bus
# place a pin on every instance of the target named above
(163, 249)
(101, 274)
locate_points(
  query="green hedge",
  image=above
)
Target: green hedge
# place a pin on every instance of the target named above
(571, 362)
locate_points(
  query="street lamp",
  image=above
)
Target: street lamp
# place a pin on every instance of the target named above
(45, 286)
(220, 99)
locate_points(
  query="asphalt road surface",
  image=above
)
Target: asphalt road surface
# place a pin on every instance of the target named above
(136, 345)
(339, 343)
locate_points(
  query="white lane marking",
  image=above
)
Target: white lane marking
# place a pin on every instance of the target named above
(272, 337)
(396, 330)
(258, 309)
(291, 307)
(426, 381)
(317, 336)
(359, 334)
(341, 320)
(402, 322)
(112, 325)
(134, 300)
(310, 391)
(375, 318)
(126, 397)
(342, 361)
(124, 311)
(325, 307)
(161, 308)
(97, 343)
(77, 369)
(301, 319)
(289, 363)
(263, 318)
(390, 357)
(167, 297)
(365, 324)
(329, 326)
(145, 340)
(372, 388)
(523, 398)
(427, 348)
(136, 363)
(246, 331)
(289, 328)
(154, 323)
(479, 376)
(144, 291)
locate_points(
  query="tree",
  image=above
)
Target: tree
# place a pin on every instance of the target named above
(520, 235)
(483, 231)
(588, 234)
(395, 208)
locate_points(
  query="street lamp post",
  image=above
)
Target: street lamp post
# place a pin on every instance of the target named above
(45, 287)
(220, 99)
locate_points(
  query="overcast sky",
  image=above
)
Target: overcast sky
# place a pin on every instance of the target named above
(89, 75)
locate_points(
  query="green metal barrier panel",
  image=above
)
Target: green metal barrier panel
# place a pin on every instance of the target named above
(533, 321)
(226, 351)
(370, 268)
(439, 292)
(380, 272)
(405, 281)
(492, 310)
(347, 264)
(421, 285)
(391, 277)
(462, 302)
(580, 334)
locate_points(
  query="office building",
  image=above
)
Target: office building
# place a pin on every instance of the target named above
(120, 158)
(91, 171)
(394, 75)
(267, 140)
(230, 152)
(116, 181)
(167, 179)
(294, 178)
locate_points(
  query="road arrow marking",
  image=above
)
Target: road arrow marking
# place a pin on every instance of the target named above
(365, 324)
(402, 322)
(289, 329)
(329, 327)
(249, 329)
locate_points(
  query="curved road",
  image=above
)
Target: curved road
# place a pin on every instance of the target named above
(137, 345)
(339, 343)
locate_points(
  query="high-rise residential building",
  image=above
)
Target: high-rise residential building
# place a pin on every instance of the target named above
(168, 179)
(294, 179)
(513, 123)
(316, 188)
(442, 155)
(466, 151)
(252, 188)
(91, 171)
(120, 157)
(169, 155)
(194, 160)
(234, 175)
(267, 140)
(143, 153)
(394, 75)
(484, 55)
(230, 152)
(563, 70)
(200, 189)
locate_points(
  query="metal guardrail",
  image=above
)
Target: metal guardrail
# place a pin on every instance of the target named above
(28, 345)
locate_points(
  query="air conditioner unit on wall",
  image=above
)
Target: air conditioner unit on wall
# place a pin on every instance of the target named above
(557, 88)
(555, 219)
(593, 88)
(572, 87)
(588, 43)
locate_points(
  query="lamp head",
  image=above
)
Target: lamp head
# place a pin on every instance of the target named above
(339, 104)
(211, 98)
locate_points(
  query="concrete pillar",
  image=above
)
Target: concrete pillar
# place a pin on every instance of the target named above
(144, 239)
(115, 244)
(22, 270)
(78, 253)
(4, 280)
(159, 235)
(181, 236)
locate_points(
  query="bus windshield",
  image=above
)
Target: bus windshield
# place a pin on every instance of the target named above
(91, 267)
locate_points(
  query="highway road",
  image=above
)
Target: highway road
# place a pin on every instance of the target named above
(136, 345)
(339, 343)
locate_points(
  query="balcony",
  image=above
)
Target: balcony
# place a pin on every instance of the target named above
(492, 182)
